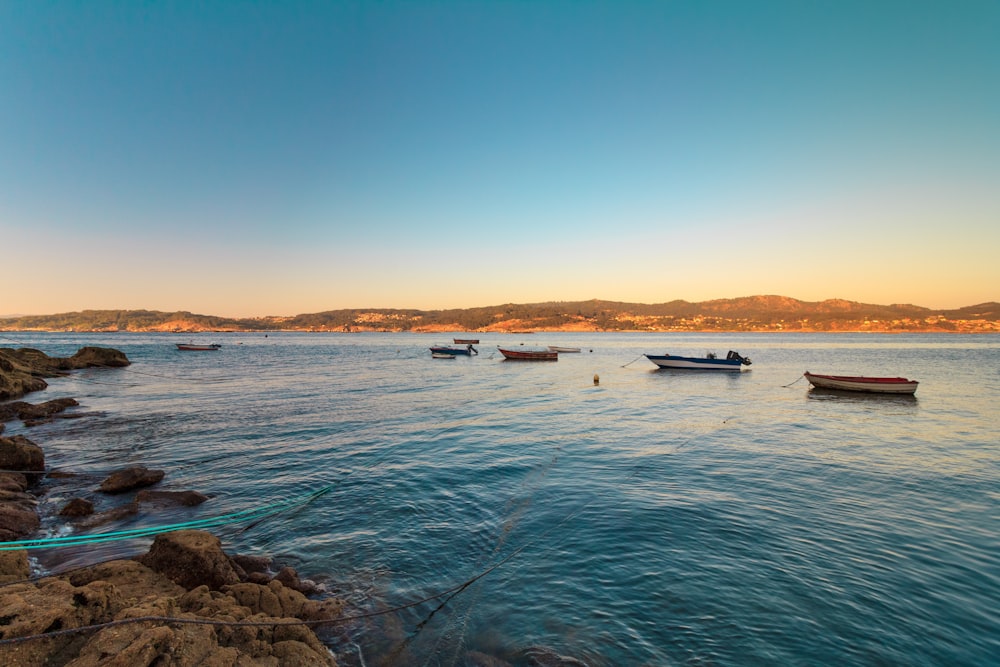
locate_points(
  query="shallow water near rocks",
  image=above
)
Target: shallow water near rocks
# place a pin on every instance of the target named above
(655, 518)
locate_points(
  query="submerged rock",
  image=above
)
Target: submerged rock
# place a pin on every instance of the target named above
(131, 478)
(77, 507)
(186, 498)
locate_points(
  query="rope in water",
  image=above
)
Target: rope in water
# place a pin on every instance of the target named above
(98, 538)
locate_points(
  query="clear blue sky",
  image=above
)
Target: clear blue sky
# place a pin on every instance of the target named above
(256, 158)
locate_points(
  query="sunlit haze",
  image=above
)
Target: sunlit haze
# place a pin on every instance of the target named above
(244, 159)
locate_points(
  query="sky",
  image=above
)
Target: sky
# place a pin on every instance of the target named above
(277, 158)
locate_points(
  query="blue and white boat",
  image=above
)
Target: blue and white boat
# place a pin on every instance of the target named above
(732, 362)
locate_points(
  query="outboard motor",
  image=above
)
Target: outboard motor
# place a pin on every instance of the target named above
(735, 355)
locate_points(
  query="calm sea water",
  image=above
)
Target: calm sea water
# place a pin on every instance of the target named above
(658, 518)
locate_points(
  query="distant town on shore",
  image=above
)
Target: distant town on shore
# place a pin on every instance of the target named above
(750, 314)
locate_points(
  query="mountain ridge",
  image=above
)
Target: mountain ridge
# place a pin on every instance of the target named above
(750, 313)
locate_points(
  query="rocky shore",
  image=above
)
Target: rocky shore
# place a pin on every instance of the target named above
(185, 602)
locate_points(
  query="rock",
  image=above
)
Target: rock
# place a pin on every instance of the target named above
(89, 357)
(109, 516)
(16, 379)
(477, 659)
(18, 513)
(186, 498)
(14, 566)
(542, 656)
(22, 370)
(77, 507)
(20, 454)
(252, 564)
(290, 578)
(27, 411)
(191, 558)
(130, 478)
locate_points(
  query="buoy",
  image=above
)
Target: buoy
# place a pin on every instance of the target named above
(597, 379)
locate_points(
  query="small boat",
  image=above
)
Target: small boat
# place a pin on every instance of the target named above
(862, 383)
(529, 355)
(442, 355)
(557, 348)
(465, 341)
(732, 362)
(468, 350)
(197, 347)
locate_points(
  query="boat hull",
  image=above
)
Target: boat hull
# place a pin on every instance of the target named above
(871, 385)
(695, 363)
(191, 347)
(465, 341)
(529, 355)
(565, 350)
(468, 351)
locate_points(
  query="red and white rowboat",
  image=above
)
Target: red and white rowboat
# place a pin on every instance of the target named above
(529, 355)
(862, 383)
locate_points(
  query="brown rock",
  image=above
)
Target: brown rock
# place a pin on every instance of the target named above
(89, 357)
(27, 411)
(17, 453)
(186, 498)
(14, 566)
(22, 370)
(109, 516)
(191, 558)
(252, 564)
(290, 578)
(18, 514)
(130, 478)
(77, 507)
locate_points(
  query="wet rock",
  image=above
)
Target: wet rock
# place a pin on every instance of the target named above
(89, 357)
(17, 453)
(27, 411)
(18, 508)
(191, 558)
(477, 659)
(128, 479)
(542, 656)
(290, 578)
(22, 370)
(109, 516)
(252, 564)
(185, 498)
(77, 507)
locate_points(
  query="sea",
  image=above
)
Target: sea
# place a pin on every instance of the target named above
(594, 508)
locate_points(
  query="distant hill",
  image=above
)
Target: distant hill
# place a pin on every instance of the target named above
(752, 313)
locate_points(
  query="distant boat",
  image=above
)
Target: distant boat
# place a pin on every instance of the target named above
(861, 383)
(197, 347)
(442, 355)
(468, 350)
(529, 355)
(557, 348)
(732, 362)
(465, 341)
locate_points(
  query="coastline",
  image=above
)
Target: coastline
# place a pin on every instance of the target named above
(184, 602)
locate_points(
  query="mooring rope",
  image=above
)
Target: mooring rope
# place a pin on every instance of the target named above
(98, 538)
(791, 383)
(634, 360)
